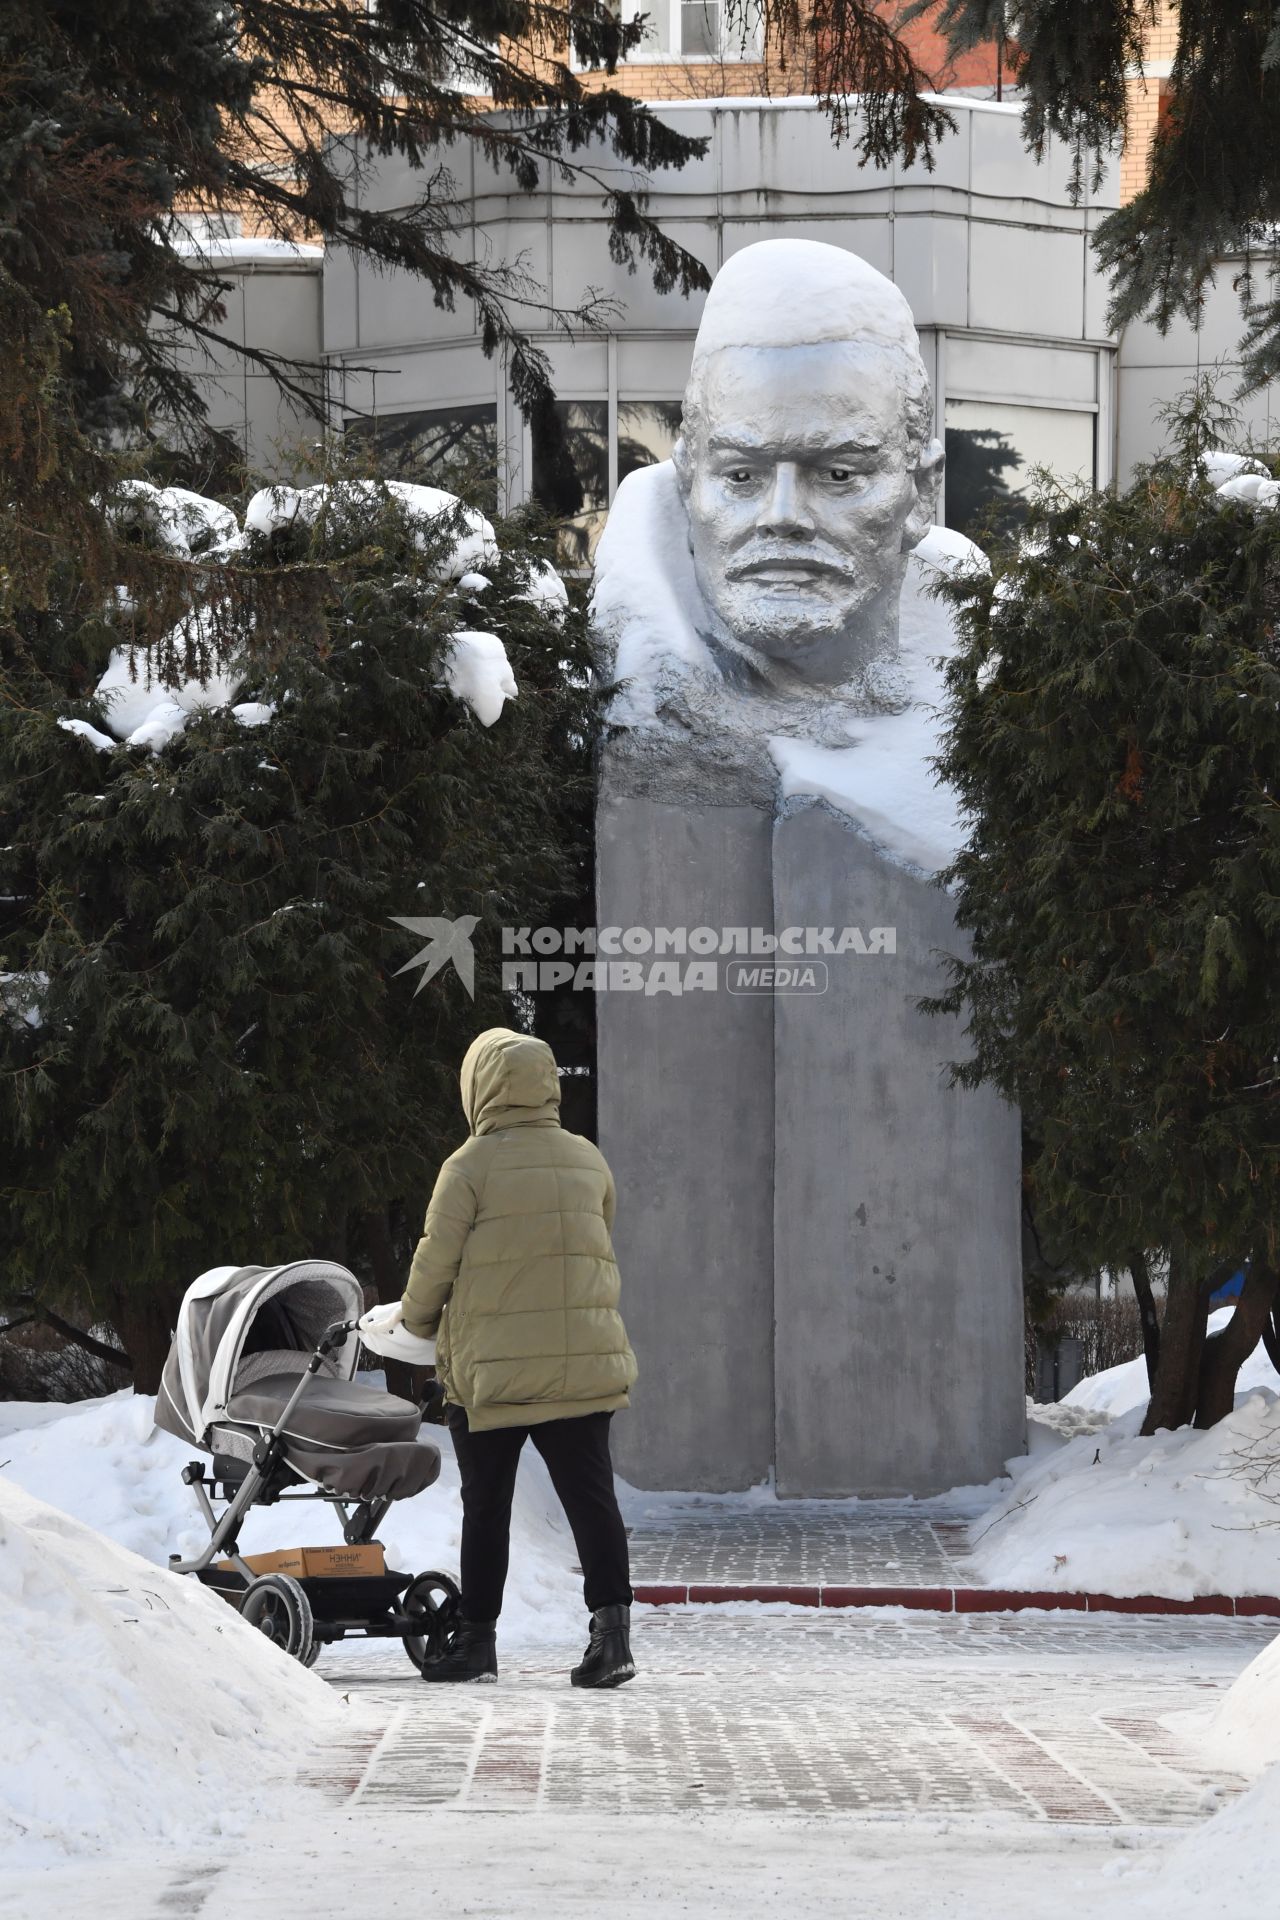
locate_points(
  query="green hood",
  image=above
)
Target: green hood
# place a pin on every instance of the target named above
(509, 1080)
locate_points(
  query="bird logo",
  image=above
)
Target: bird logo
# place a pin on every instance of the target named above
(446, 940)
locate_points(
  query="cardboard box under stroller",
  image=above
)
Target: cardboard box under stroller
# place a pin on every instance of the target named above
(319, 1563)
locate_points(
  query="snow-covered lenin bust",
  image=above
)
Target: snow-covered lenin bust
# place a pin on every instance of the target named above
(751, 586)
(827, 1232)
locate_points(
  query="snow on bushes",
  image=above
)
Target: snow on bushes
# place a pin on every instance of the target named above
(142, 708)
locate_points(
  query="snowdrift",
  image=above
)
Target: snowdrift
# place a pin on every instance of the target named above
(1096, 1507)
(1121, 1389)
(136, 1706)
(105, 1463)
(1228, 1866)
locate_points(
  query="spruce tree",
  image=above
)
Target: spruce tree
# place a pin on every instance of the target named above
(210, 1053)
(1114, 733)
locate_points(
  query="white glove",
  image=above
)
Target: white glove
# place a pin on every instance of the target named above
(383, 1331)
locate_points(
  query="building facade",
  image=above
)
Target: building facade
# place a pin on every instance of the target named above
(989, 250)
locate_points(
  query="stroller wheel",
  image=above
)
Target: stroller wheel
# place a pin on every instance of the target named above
(276, 1605)
(433, 1598)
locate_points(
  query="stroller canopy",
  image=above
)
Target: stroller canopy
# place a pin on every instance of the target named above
(232, 1315)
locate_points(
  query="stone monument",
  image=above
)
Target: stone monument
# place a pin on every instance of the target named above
(819, 1237)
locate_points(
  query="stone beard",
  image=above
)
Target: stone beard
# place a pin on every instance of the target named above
(808, 473)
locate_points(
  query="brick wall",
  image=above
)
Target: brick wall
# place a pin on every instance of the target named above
(1144, 95)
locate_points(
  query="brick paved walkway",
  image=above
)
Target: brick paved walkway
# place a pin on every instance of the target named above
(878, 1544)
(1021, 1717)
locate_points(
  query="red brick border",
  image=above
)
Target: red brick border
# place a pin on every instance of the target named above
(957, 1599)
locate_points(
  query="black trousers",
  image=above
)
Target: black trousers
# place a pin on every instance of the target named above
(577, 1455)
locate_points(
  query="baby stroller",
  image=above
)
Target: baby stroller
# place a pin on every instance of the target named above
(260, 1377)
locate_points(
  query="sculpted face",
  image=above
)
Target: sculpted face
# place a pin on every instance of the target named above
(805, 490)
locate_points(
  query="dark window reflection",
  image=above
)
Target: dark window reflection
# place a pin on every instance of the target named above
(571, 479)
(993, 452)
(647, 432)
(978, 491)
(451, 447)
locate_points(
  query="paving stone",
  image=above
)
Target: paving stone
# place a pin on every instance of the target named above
(881, 1544)
(1033, 1717)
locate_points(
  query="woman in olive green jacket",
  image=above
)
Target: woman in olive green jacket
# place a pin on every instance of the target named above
(515, 1279)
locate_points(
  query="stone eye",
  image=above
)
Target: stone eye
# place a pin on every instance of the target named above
(841, 473)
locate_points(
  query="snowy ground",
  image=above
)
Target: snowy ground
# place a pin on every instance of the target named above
(768, 1760)
(765, 1763)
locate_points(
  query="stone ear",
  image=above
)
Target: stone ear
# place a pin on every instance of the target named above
(682, 464)
(928, 480)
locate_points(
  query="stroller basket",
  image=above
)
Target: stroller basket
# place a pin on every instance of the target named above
(261, 1378)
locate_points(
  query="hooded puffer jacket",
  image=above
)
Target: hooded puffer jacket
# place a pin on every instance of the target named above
(515, 1276)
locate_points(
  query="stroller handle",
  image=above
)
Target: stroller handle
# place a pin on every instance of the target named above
(334, 1336)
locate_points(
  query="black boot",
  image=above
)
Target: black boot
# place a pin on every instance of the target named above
(607, 1661)
(472, 1655)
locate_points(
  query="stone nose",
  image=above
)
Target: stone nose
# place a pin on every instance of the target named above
(784, 509)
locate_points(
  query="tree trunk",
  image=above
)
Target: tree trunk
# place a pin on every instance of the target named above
(1173, 1395)
(1271, 1336)
(1225, 1353)
(144, 1325)
(1140, 1273)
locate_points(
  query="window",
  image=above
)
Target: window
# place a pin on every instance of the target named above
(451, 447)
(647, 432)
(696, 29)
(992, 450)
(571, 480)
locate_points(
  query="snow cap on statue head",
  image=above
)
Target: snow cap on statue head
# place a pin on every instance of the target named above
(801, 293)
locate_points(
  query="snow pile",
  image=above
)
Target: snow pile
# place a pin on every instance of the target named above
(1243, 1732)
(136, 1706)
(1219, 467)
(277, 508)
(1228, 1865)
(144, 712)
(546, 591)
(478, 671)
(180, 521)
(951, 553)
(1250, 490)
(105, 1463)
(1234, 476)
(94, 735)
(1176, 1513)
(1121, 1389)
